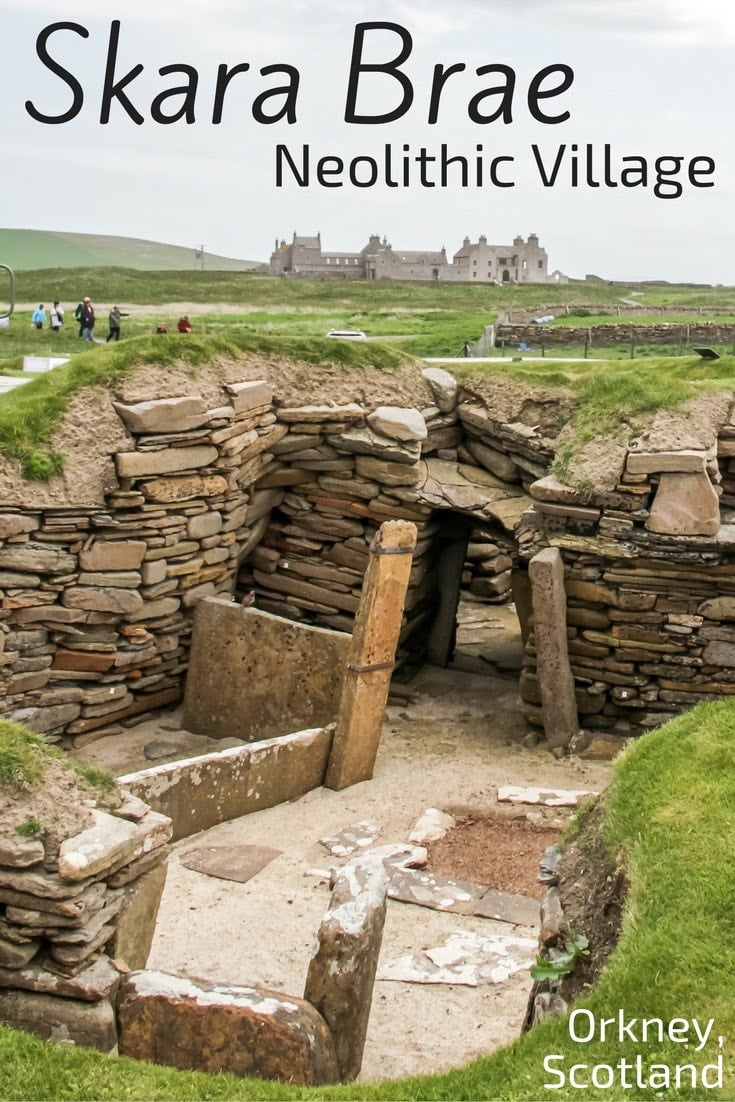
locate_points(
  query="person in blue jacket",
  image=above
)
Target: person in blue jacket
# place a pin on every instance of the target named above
(39, 317)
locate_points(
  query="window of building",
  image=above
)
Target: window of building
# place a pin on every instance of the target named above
(474, 275)
(475, 263)
(328, 260)
(540, 263)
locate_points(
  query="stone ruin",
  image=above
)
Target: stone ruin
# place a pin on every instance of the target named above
(280, 499)
(623, 579)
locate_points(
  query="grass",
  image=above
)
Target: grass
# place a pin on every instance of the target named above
(609, 395)
(30, 414)
(24, 758)
(671, 811)
(23, 249)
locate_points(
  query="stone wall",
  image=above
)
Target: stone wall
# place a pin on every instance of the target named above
(705, 333)
(282, 500)
(75, 918)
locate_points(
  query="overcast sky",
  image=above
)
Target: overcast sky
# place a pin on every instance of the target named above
(652, 78)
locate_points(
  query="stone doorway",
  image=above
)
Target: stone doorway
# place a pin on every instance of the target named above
(477, 626)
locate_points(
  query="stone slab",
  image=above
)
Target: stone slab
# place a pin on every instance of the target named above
(91, 1025)
(163, 414)
(254, 676)
(238, 863)
(199, 793)
(520, 910)
(342, 969)
(244, 1031)
(655, 462)
(135, 925)
(465, 958)
(549, 797)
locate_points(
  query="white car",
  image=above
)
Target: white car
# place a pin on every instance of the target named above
(347, 334)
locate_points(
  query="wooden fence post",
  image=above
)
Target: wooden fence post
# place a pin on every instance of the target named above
(372, 656)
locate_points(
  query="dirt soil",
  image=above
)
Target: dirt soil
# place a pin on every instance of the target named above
(56, 802)
(510, 400)
(592, 889)
(499, 853)
(449, 743)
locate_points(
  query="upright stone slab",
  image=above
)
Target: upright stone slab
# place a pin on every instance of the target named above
(245, 1031)
(342, 971)
(254, 676)
(371, 656)
(89, 1024)
(685, 505)
(546, 571)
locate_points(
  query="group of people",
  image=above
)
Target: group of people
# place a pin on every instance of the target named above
(85, 316)
(38, 320)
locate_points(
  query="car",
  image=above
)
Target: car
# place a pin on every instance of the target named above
(347, 334)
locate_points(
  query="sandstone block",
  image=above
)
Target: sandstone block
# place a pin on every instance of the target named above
(685, 505)
(444, 388)
(342, 970)
(37, 558)
(97, 981)
(203, 525)
(546, 571)
(166, 461)
(20, 853)
(113, 555)
(89, 1024)
(16, 524)
(109, 841)
(121, 579)
(14, 955)
(493, 461)
(366, 442)
(398, 423)
(250, 395)
(718, 608)
(182, 489)
(319, 414)
(244, 1031)
(45, 719)
(136, 920)
(102, 599)
(387, 473)
(653, 462)
(163, 415)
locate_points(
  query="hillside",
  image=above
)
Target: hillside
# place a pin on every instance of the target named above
(29, 249)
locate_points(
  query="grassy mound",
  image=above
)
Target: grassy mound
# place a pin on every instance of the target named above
(26, 756)
(30, 414)
(671, 812)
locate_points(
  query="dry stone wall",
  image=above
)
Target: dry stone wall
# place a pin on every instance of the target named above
(663, 333)
(283, 500)
(75, 917)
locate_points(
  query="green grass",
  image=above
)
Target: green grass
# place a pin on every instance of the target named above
(24, 757)
(671, 812)
(24, 249)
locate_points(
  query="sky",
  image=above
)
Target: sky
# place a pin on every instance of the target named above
(652, 78)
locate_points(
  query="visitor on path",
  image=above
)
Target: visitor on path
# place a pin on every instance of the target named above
(39, 316)
(161, 328)
(57, 317)
(184, 325)
(78, 316)
(86, 320)
(114, 323)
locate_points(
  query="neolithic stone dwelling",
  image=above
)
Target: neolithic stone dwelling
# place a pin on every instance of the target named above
(258, 474)
(521, 262)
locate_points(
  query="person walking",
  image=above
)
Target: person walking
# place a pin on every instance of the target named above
(57, 317)
(39, 316)
(183, 324)
(114, 324)
(86, 320)
(78, 316)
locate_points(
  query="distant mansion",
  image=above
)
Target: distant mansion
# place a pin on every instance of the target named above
(521, 262)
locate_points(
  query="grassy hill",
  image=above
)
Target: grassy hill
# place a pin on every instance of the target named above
(29, 249)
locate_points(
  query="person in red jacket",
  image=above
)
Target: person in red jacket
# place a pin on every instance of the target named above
(184, 325)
